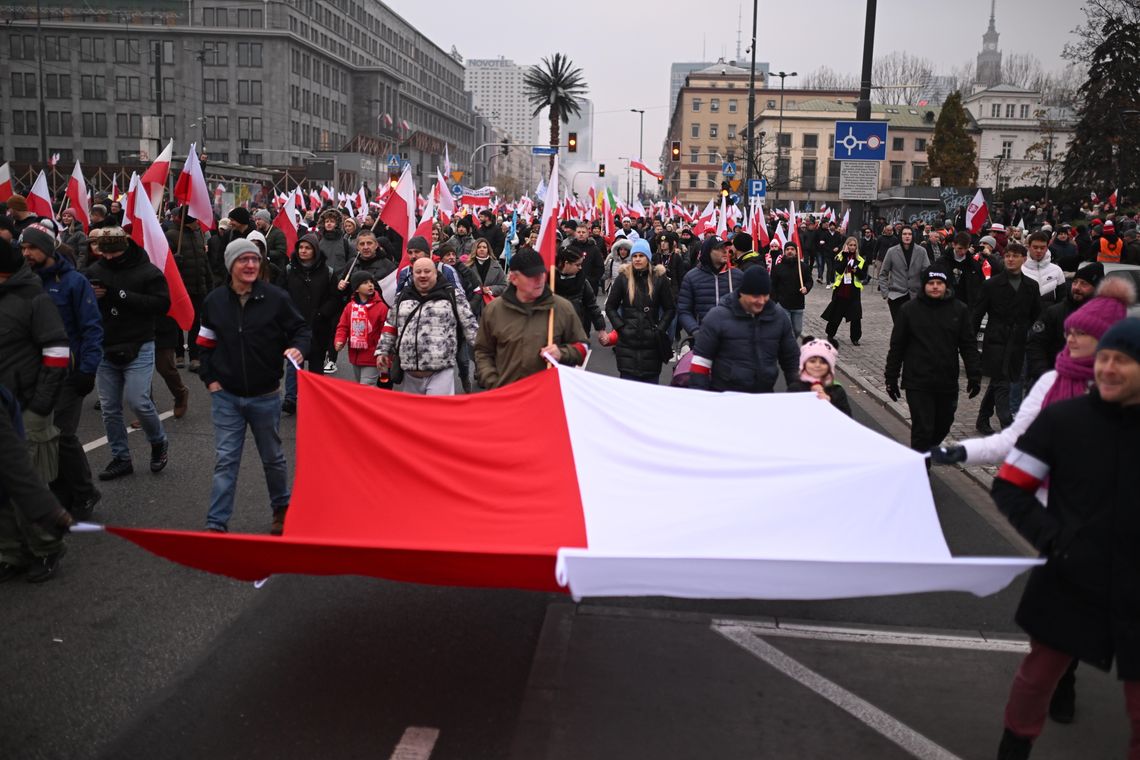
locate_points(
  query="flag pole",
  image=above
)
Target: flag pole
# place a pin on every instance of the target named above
(550, 321)
(63, 205)
(181, 234)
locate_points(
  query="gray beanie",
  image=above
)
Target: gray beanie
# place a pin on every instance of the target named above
(263, 215)
(39, 236)
(237, 248)
(990, 241)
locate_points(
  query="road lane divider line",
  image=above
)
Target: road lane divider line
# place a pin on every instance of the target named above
(416, 743)
(875, 636)
(881, 722)
(89, 447)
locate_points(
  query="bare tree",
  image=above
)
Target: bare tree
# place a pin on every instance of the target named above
(895, 74)
(1045, 153)
(1021, 70)
(1059, 88)
(827, 78)
(963, 77)
(1090, 34)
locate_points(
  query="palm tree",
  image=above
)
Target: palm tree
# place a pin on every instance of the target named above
(556, 85)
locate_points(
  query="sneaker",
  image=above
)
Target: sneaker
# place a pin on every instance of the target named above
(1014, 747)
(117, 469)
(43, 568)
(180, 362)
(9, 571)
(983, 427)
(83, 510)
(288, 406)
(195, 365)
(158, 457)
(278, 521)
(216, 529)
(330, 368)
(854, 342)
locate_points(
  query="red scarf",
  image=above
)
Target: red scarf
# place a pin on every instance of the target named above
(358, 325)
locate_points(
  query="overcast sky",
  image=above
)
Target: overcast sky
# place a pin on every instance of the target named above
(625, 48)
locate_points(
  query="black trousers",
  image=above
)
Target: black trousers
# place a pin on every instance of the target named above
(894, 304)
(73, 485)
(996, 398)
(856, 328)
(931, 415)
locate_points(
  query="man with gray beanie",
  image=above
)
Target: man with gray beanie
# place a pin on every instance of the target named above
(247, 326)
(276, 247)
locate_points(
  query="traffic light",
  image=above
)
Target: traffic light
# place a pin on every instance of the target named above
(601, 170)
(393, 178)
(724, 189)
(572, 143)
(506, 146)
(675, 151)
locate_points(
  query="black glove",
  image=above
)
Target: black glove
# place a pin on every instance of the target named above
(893, 390)
(973, 388)
(82, 383)
(948, 454)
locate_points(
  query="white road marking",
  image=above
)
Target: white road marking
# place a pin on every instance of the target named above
(89, 447)
(416, 743)
(873, 636)
(899, 733)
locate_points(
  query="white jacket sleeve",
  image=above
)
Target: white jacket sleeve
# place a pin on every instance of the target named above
(993, 448)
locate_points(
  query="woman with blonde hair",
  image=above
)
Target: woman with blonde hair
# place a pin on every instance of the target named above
(640, 307)
(846, 300)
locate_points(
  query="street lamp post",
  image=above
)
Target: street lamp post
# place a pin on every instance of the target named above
(780, 132)
(640, 150)
(751, 101)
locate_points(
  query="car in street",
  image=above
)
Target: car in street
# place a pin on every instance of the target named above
(1129, 272)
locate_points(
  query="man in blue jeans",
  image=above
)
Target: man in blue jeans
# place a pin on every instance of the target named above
(132, 295)
(247, 325)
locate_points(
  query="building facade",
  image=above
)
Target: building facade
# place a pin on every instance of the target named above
(499, 93)
(1022, 141)
(272, 82)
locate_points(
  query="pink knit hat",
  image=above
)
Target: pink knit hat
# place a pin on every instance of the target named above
(819, 348)
(1113, 297)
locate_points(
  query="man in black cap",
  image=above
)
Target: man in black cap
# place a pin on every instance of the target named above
(746, 258)
(513, 330)
(1047, 335)
(745, 341)
(929, 334)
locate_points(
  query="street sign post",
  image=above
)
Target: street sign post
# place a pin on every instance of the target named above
(456, 190)
(861, 140)
(543, 150)
(858, 180)
(728, 169)
(757, 188)
(394, 162)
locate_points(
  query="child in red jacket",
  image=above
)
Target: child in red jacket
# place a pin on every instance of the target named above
(359, 327)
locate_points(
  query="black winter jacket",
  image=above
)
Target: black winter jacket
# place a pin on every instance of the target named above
(926, 341)
(966, 276)
(1085, 600)
(1011, 313)
(745, 351)
(241, 347)
(137, 295)
(593, 263)
(786, 283)
(314, 291)
(33, 342)
(193, 264)
(640, 325)
(1047, 338)
(580, 293)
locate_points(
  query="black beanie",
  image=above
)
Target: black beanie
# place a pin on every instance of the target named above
(742, 242)
(756, 282)
(1124, 336)
(241, 216)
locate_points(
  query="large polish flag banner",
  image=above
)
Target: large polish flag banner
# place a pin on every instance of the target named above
(559, 504)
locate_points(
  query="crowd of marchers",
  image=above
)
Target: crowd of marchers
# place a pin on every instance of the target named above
(1037, 313)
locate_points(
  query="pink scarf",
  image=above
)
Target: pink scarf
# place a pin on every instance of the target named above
(358, 326)
(1073, 378)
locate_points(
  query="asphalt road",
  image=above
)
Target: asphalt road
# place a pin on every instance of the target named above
(124, 655)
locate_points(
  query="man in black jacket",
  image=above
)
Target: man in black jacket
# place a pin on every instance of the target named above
(930, 333)
(247, 326)
(965, 271)
(789, 287)
(571, 283)
(132, 295)
(1047, 336)
(311, 284)
(1012, 303)
(593, 262)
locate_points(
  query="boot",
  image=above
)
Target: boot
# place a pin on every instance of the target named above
(983, 426)
(1014, 747)
(181, 401)
(1063, 705)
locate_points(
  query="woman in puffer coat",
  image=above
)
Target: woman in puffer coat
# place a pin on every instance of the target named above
(619, 257)
(640, 307)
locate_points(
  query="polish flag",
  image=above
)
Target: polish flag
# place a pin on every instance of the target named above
(5, 182)
(1112, 198)
(77, 197)
(192, 192)
(722, 220)
(547, 241)
(977, 213)
(446, 201)
(706, 221)
(760, 239)
(115, 186)
(399, 213)
(286, 221)
(219, 189)
(794, 228)
(637, 211)
(773, 530)
(637, 164)
(846, 220)
(39, 198)
(145, 222)
(475, 200)
(154, 178)
(361, 200)
(314, 202)
(427, 219)
(780, 235)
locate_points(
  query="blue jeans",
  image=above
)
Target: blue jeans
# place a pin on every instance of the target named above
(231, 415)
(128, 384)
(797, 316)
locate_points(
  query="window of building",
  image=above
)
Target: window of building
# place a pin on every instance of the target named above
(811, 141)
(732, 106)
(1007, 148)
(217, 91)
(807, 174)
(995, 111)
(714, 104)
(92, 87)
(1009, 110)
(694, 155)
(93, 125)
(712, 156)
(296, 61)
(1002, 184)
(710, 180)
(167, 90)
(126, 88)
(898, 143)
(25, 123)
(92, 49)
(91, 157)
(714, 130)
(897, 173)
(834, 169)
(56, 49)
(784, 140)
(57, 86)
(217, 128)
(731, 131)
(59, 123)
(694, 130)
(1025, 110)
(27, 155)
(920, 144)
(771, 104)
(249, 91)
(23, 47)
(216, 53)
(783, 169)
(694, 179)
(128, 157)
(249, 54)
(916, 172)
(250, 18)
(249, 128)
(23, 85)
(696, 105)
(126, 50)
(128, 125)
